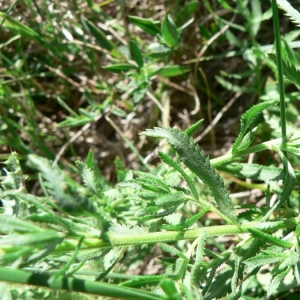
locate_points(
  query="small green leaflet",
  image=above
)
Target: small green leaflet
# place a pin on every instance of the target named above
(198, 163)
(248, 121)
(170, 32)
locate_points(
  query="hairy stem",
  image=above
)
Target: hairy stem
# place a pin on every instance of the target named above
(130, 239)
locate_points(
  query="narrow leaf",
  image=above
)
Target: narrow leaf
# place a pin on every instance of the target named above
(173, 70)
(199, 258)
(31, 238)
(158, 51)
(270, 238)
(149, 26)
(136, 53)
(121, 67)
(169, 32)
(9, 224)
(18, 27)
(168, 286)
(99, 36)
(289, 181)
(187, 12)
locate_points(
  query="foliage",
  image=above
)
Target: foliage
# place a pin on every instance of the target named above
(174, 229)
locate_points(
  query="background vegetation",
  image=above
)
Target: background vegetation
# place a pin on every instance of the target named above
(80, 80)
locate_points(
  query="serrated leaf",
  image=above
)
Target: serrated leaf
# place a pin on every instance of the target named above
(268, 238)
(199, 258)
(198, 163)
(59, 186)
(291, 12)
(170, 200)
(54, 177)
(147, 213)
(150, 178)
(220, 285)
(288, 54)
(291, 259)
(262, 259)
(149, 26)
(136, 53)
(169, 31)
(248, 120)
(290, 72)
(89, 179)
(272, 289)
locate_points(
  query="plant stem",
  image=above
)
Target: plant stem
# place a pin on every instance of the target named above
(280, 69)
(130, 239)
(171, 236)
(229, 157)
(74, 284)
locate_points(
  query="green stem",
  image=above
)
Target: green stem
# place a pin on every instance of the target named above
(229, 157)
(74, 284)
(171, 236)
(280, 69)
(130, 239)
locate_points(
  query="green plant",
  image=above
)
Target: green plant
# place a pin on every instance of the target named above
(90, 237)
